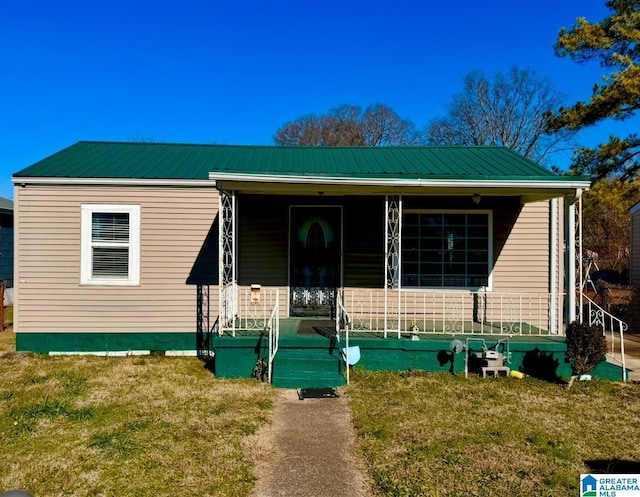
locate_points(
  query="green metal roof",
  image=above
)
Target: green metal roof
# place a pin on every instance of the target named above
(169, 161)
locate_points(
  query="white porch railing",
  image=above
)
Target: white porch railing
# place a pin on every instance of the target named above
(273, 326)
(247, 308)
(428, 312)
(228, 309)
(609, 323)
(343, 323)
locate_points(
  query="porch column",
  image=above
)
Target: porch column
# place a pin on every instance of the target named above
(392, 259)
(227, 259)
(573, 251)
(579, 257)
(554, 245)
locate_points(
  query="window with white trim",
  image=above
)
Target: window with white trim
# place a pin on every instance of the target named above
(110, 237)
(446, 249)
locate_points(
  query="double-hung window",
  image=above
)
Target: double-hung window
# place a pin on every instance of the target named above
(110, 237)
(446, 249)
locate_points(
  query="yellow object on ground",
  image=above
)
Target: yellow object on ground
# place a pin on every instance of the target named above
(516, 374)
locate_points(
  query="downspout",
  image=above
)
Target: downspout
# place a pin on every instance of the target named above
(553, 269)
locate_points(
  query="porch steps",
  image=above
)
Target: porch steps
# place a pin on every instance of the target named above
(309, 367)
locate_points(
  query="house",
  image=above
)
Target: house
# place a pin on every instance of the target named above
(138, 247)
(6, 248)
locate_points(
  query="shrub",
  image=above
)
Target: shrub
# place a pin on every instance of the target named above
(586, 347)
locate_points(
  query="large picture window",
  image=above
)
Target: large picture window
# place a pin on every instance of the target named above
(110, 244)
(446, 249)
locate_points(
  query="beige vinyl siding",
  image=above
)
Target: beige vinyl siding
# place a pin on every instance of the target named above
(522, 264)
(174, 224)
(263, 237)
(635, 246)
(520, 281)
(521, 242)
(364, 226)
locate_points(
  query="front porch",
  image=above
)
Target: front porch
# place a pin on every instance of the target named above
(312, 360)
(430, 331)
(404, 252)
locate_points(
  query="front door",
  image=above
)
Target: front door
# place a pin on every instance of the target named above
(315, 247)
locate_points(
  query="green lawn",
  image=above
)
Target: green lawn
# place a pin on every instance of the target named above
(150, 426)
(435, 434)
(86, 426)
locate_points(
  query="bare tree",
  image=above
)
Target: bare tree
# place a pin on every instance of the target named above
(349, 125)
(606, 221)
(306, 130)
(503, 110)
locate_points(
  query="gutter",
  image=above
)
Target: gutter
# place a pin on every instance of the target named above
(194, 183)
(443, 183)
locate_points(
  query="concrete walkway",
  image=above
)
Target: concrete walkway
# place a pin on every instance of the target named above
(631, 353)
(308, 450)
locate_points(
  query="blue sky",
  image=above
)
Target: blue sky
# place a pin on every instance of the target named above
(233, 72)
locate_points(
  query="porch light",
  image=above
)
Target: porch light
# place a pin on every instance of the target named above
(476, 198)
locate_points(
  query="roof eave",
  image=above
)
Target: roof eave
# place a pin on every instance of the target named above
(552, 183)
(27, 180)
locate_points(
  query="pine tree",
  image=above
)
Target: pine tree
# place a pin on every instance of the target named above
(613, 42)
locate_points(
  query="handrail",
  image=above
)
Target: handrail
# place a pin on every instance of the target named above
(215, 330)
(599, 317)
(216, 326)
(273, 325)
(343, 322)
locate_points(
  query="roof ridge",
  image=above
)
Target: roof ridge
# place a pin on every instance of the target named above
(297, 147)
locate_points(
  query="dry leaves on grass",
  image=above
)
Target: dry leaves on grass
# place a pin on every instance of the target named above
(440, 434)
(147, 426)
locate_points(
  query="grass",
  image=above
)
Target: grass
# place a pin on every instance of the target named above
(85, 426)
(143, 426)
(435, 434)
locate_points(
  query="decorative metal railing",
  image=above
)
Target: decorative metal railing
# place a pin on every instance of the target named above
(247, 309)
(609, 323)
(428, 312)
(273, 327)
(204, 330)
(228, 307)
